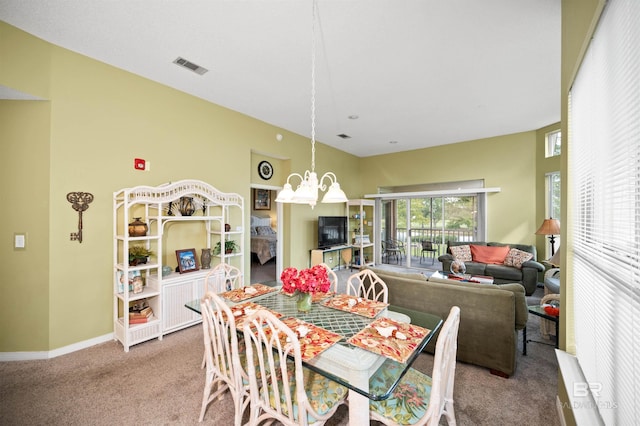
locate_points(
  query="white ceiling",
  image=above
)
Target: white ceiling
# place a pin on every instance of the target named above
(419, 72)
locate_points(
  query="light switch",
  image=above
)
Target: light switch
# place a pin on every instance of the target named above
(20, 241)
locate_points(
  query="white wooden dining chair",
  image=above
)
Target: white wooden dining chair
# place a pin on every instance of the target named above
(418, 398)
(280, 388)
(368, 285)
(224, 370)
(223, 277)
(333, 278)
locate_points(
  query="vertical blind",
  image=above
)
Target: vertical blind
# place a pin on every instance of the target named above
(604, 174)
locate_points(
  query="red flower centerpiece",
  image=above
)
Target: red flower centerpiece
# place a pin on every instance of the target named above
(311, 280)
(306, 283)
(289, 277)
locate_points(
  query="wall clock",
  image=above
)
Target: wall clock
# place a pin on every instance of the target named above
(265, 170)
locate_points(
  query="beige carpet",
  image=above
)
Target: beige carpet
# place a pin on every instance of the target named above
(160, 382)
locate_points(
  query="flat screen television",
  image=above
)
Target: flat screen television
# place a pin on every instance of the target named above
(332, 231)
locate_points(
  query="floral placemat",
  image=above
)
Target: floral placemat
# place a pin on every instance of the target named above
(313, 339)
(248, 292)
(242, 311)
(316, 297)
(356, 305)
(390, 338)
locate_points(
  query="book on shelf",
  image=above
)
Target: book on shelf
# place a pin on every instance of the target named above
(139, 320)
(138, 317)
(140, 312)
(143, 312)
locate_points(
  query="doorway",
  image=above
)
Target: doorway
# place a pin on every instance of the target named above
(265, 234)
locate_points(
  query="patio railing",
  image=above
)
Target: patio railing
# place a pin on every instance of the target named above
(439, 236)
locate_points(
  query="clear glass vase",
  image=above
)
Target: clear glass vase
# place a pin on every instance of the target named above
(304, 302)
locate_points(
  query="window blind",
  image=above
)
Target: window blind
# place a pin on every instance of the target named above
(604, 174)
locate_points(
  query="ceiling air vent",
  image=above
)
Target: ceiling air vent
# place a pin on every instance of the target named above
(190, 66)
(343, 136)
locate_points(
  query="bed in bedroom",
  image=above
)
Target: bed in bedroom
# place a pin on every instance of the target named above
(263, 239)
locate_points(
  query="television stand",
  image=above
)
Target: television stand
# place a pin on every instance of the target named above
(343, 254)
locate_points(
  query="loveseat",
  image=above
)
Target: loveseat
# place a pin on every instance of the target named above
(509, 269)
(490, 315)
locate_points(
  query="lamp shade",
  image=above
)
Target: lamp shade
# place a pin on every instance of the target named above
(286, 194)
(555, 259)
(549, 227)
(335, 194)
(306, 193)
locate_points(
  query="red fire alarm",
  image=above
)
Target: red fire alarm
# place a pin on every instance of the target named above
(139, 164)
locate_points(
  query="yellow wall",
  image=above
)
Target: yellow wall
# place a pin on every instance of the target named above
(26, 62)
(24, 171)
(507, 162)
(97, 120)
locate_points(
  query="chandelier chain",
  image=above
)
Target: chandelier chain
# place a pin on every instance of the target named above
(310, 183)
(313, 88)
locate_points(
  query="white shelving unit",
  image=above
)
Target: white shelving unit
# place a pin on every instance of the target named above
(158, 207)
(361, 214)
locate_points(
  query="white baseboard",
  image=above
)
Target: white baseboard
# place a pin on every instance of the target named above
(27, 356)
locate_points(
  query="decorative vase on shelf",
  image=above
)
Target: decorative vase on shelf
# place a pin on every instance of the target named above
(304, 302)
(205, 258)
(166, 270)
(186, 207)
(138, 228)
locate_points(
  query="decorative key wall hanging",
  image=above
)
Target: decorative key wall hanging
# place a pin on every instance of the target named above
(80, 202)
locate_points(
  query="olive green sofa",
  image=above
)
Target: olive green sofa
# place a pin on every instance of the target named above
(490, 315)
(527, 275)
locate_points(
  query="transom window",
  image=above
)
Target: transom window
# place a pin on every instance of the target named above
(554, 143)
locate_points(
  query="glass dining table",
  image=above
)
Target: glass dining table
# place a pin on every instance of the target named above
(343, 362)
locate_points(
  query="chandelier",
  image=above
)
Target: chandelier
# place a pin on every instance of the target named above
(307, 191)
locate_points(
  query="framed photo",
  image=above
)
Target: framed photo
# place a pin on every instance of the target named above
(261, 199)
(187, 260)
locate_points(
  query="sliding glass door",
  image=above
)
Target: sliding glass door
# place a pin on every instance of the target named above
(410, 221)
